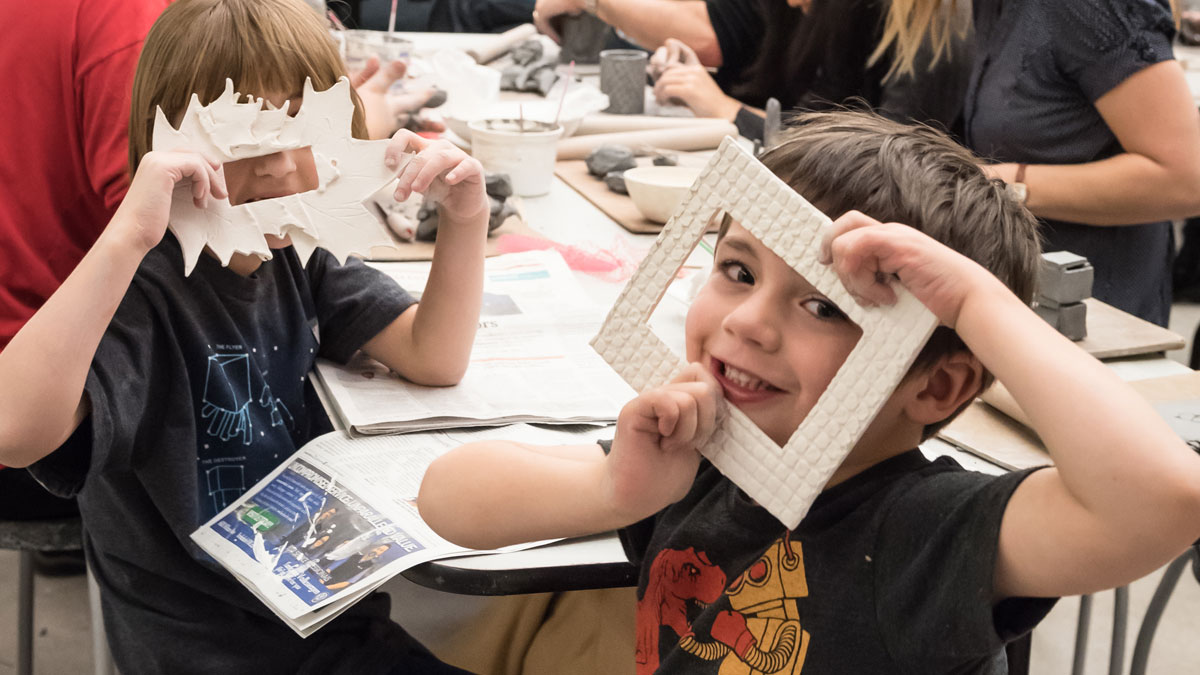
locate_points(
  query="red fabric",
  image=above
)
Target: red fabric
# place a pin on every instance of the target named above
(68, 70)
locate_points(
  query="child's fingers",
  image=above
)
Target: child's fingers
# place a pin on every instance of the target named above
(408, 176)
(857, 257)
(403, 141)
(851, 220)
(683, 432)
(464, 170)
(666, 414)
(437, 162)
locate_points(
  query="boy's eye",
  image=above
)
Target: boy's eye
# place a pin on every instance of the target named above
(823, 309)
(736, 272)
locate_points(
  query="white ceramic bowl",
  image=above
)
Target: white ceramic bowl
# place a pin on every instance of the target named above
(461, 126)
(657, 190)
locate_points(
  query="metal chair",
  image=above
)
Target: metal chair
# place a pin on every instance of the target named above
(26, 537)
(1158, 604)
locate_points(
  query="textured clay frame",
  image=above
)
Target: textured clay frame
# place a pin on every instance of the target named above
(333, 216)
(784, 480)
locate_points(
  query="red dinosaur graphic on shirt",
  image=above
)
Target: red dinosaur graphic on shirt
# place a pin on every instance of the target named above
(676, 578)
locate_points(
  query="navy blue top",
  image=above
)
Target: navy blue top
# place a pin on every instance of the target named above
(1039, 67)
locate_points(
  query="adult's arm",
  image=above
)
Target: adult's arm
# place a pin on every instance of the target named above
(1154, 118)
(647, 22)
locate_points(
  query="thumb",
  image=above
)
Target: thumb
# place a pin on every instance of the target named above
(360, 78)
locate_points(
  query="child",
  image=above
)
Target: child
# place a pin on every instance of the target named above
(903, 565)
(171, 395)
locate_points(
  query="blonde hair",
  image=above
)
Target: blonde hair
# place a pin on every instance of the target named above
(262, 45)
(910, 23)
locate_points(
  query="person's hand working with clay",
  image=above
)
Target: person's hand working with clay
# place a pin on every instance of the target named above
(389, 109)
(680, 78)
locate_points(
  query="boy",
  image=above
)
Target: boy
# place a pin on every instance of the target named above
(159, 398)
(902, 565)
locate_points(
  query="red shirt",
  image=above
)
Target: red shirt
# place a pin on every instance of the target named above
(64, 112)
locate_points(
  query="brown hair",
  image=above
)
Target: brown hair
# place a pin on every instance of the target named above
(262, 45)
(913, 174)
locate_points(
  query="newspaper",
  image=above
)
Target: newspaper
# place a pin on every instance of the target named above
(531, 361)
(339, 518)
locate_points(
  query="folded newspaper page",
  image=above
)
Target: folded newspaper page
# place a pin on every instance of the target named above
(531, 361)
(339, 518)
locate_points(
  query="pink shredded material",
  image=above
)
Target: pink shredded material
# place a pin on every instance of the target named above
(614, 264)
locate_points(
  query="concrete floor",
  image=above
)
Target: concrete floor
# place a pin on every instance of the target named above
(62, 643)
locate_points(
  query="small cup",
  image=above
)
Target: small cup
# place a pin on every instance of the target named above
(623, 78)
(583, 38)
(525, 151)
(361, 44)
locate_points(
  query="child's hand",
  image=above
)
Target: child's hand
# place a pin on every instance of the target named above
(867, 255)
(144, 212)
(443, 173)
(655, 453)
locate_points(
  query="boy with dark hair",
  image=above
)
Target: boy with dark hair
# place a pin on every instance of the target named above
(902, 565)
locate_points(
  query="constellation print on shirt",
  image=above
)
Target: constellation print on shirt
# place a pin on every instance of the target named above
(278, 410)
(225, 484)
(227, 396)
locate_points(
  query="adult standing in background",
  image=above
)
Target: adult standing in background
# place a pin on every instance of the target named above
(809, 54)
(64, 157)
(68, 65)
(1086, 112)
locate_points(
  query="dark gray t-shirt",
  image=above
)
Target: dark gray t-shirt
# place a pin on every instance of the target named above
(198, 389)
(890, 572)
(1039, 68)
(836, 73)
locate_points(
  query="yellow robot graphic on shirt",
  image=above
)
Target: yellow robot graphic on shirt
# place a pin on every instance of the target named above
(760, 633)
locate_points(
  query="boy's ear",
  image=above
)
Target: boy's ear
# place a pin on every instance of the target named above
(944, 387)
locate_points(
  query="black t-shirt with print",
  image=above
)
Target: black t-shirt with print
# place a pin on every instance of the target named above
(890, 572)
(199, 388)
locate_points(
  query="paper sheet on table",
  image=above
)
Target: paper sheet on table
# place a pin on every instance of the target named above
(278, 541)
(531, 361)
(1007, 438)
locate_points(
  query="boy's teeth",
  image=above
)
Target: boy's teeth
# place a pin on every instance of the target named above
(742, 379)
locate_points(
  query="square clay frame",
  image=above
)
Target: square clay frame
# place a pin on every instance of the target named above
(784, 480)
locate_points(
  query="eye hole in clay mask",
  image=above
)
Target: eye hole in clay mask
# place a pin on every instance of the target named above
(766, 334)
(278, 174)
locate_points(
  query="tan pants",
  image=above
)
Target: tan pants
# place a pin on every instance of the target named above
(547, 634)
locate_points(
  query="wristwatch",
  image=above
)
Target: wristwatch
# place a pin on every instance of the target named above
(1018, 188)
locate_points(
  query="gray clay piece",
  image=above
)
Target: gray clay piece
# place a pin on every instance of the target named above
(608, 158)
(666, 160)
(498, 185)
(527, 52)
(615, 180)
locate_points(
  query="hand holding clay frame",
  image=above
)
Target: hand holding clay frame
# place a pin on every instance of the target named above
(784, 480)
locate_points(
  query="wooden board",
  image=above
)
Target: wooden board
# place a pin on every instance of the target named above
(616, 206)
(423, 250)
(1113, 333)
(985, 431)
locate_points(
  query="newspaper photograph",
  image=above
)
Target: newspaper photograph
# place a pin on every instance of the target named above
(339, 518)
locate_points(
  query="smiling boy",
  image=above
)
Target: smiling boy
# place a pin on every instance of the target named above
(902, 565)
